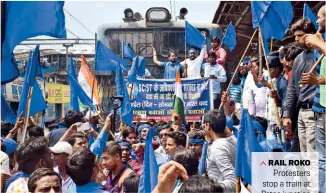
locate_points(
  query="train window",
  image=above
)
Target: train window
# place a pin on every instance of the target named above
(139, 41)
(172, 40)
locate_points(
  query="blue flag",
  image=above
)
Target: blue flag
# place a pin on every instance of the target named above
(137, 68)
(6, 111)
(230, 37)
(149, 177)
(74, 104)
(26, 19)
(106, 59)
(193, 36)
(273, 18)
(202, 161)
(79, 92)
(125, 111)
(37, 101)
(126, 51)
(309, 14)
(247, 143)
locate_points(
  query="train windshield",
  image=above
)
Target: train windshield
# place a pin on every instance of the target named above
(141, 41)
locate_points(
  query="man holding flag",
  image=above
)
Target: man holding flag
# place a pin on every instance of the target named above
(197, 39)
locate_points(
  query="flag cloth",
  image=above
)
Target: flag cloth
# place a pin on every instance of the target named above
(309, 14)
(85, 79)
(193, 36)
(247, 143)
(74, 104)
(37, 101)
(202, 161)
(230, 37)
(137, 68)
(6, 111)
(178, 103)
(107, 60)
(126, 52)
(79, 92)
(23, 20)
(125, 111)
(273, 18)
(149, 178)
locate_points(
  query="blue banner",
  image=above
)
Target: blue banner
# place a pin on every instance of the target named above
(153, 99)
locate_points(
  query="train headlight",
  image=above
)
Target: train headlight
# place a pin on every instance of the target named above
(157, 14)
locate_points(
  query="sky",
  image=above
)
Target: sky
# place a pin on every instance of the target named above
(94, 13)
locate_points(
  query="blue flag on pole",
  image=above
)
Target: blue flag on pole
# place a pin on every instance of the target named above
(79, 92)
(193, 36)
(149, 177)
(309, 14)
(107, 60)
(6, 111)
(247, 143)
(126, 51)
(37, 102)
(137, 68)
(74, 104)
(273, 18)
(230, 37)
(26, 19)
(125, 111)
(202, 161)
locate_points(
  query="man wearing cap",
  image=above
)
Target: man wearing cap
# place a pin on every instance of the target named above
(61, 151)
(218, 50)
(193, 63)
(10, 149)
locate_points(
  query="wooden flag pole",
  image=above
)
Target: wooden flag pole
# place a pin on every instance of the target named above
(93, 81)
(260, 53)
(238, 185)
(27, 109)
(278, 119)
(236, 70)
(313, 68)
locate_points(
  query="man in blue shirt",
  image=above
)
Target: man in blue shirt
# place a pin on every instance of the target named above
(171, 67)
(82, 169)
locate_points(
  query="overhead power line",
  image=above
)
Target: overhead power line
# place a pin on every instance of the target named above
(78, 21)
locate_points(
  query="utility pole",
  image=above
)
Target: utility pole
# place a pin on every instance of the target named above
(67, 46)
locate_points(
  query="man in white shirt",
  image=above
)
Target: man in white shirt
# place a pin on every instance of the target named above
(217, 75)
(61, 151)
(5, 172)
(160, 153)
(193, 64)
(222, 153)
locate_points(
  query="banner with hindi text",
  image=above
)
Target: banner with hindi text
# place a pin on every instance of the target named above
(153, 98)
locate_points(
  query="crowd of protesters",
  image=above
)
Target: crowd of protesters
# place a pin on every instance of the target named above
(65, 158)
